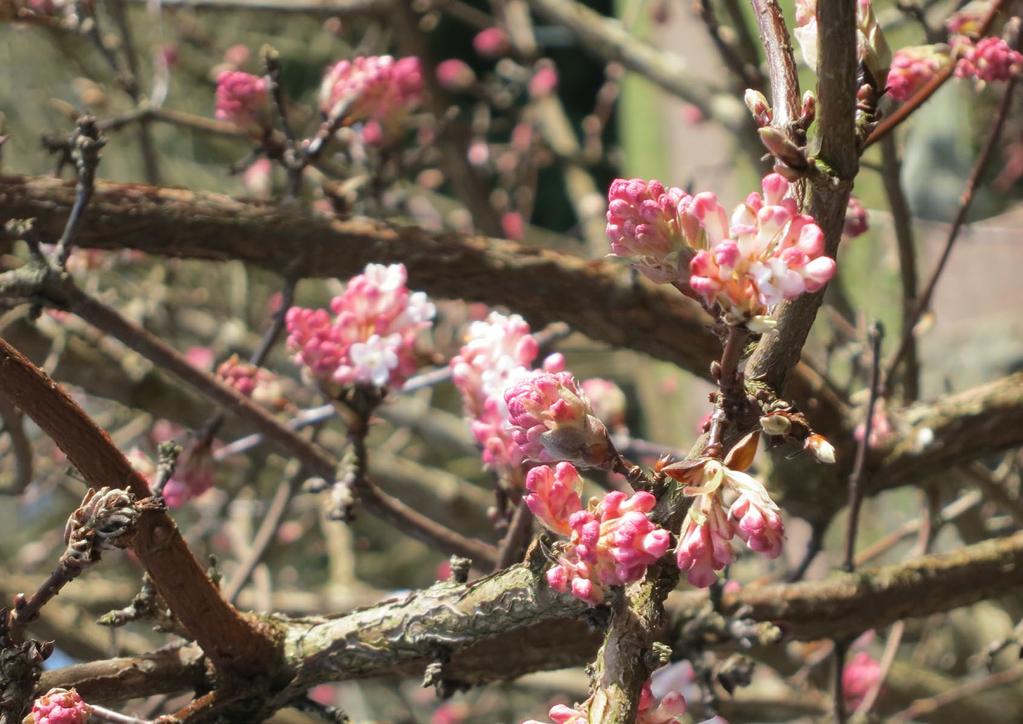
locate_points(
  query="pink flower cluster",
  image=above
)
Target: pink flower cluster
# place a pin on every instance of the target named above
(59, 706)
(371, 340)
(255, 382)
(773, 252)
(987, 60)
(497, 353)
(669, 709)
(243, 99)
(660, 229)
(704, 541)
(377, 90)
(610, 544)
(913, 67)
(551, 420)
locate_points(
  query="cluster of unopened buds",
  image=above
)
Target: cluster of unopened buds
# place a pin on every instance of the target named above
(256, 382)
(59, 706)
(611, 541)
(668, 709)
(244, 100)
(728, 502)
(378, 91)
(370, 339)
(766, 252)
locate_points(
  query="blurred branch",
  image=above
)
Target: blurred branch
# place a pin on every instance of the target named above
(231, 640)
(608, 39)
(782, 73)
(299, 7)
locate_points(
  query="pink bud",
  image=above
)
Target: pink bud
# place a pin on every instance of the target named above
(491, 42)
(455, 75)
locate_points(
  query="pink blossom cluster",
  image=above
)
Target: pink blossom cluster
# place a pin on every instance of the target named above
(371, 339)
(59, 706)
(611, 543)
(987, 60)
(669, 709)
(252, 381)
(660, 228)
(497, 353)
(551, 420)
(243, 99)
(773, 252)
(377, 90)
(704, 545)
(913, 67)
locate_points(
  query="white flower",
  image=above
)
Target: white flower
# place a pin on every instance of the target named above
(374, 359)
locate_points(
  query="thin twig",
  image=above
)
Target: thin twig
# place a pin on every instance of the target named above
(965, 202)
(923, 707)
(856, 478)
(85, 146)
(513, 545)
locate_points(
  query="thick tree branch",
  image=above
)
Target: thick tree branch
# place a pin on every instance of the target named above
(511, 623)
(175, 222)
(233, 642)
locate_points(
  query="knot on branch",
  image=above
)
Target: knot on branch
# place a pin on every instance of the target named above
(105, 520)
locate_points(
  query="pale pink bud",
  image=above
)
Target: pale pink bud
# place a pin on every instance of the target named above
(860, 675)
(758, 523)
(758, 106)
(491, 42)
(455, 75)
(703, 546)
(544, 81)
(243, 99)
(60, 706)
(968, 19)
(553, 495)
(513, 225)
(857, 220)
(258, 178)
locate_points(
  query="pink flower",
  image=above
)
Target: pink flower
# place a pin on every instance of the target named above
(860, 675)
(967, 20)
(59, 706)
(612, 543)
(913, 67)
(551, 420)
(988, 60)
(377, 90)
(607, 400)
(773, 253)
(455, 75)
(882, 431)
(660, 229)
(553, 495)
(243, 99)
(544, 81)
(703, 545)
(491, 42)
(371, 340)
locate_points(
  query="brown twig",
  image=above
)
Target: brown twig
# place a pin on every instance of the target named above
(924, 707)
(783, 76)
(902, 219)
(856, 478)
(965, 202)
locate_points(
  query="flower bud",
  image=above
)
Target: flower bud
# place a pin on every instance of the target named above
(758, 106)
(823, 450)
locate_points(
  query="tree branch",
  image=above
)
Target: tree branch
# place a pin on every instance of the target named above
(235, 643)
